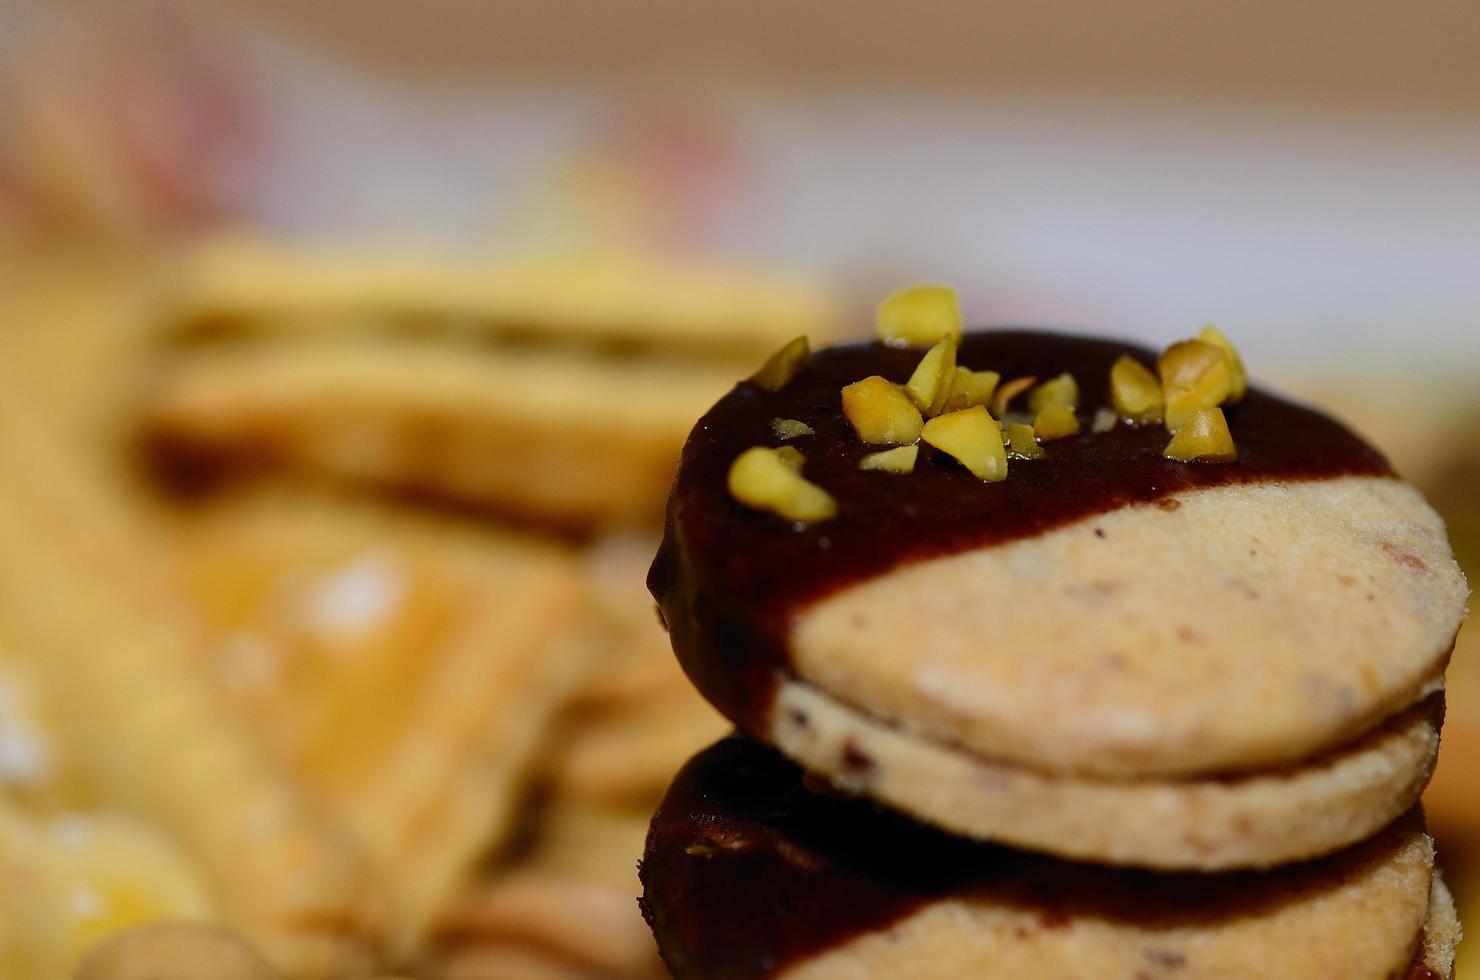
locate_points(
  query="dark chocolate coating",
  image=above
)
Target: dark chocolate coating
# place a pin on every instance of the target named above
(728, 579)
(747, 871)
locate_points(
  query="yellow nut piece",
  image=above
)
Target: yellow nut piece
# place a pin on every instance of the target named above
(880, 412)
(1008, 391)
(930, 386)
(919, 316)
(770, 479)
(970, 388)
(791, 428)
(1063, 390)
(900, 459)
(1212, 335)
(1194, 375)
(1203, 438)
(791, 456)
(1022, 443)
(782, 366)
(1056, 422)
(973, 437)
(1135, 392)
(1104, 420)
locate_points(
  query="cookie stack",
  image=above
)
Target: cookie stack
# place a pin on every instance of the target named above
(1049, 657)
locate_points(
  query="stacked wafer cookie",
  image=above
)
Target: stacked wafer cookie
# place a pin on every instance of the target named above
(554, 390)
(1050, 657)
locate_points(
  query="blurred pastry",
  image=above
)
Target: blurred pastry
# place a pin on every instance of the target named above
(558, 390)
(636, 719)
(1216, 647)
(69, 880)
(750, 874)
(409, 667)
(562, 899)
(567, 896)
(174, 951)
(83, 605)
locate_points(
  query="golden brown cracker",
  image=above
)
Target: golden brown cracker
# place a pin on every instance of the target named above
(409, 667)
(81, 600)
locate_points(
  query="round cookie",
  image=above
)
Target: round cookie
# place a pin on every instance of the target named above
(1246, 653)
(749, 873)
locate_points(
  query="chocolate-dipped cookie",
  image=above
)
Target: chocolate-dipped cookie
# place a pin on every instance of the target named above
(988, 585)
(748, 873)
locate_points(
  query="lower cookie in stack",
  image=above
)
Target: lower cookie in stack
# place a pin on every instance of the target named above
(750, 873)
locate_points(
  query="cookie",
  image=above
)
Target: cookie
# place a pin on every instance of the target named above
(748, 873)
(568, 894)
(71, 879)
(1244, 654)
(175, 952)
(553, 391)
(410, 668)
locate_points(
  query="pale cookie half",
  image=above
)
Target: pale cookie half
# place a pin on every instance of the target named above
(748, 874)
(1251, 819)
(1223, 684)
(1229, 628)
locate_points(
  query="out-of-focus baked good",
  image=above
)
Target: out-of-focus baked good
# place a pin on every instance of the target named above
(410, 668)
(556, 389)
(84, 604)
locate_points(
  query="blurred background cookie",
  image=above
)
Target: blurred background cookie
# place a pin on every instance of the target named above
(556, 390)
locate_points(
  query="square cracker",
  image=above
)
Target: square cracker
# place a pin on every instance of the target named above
(408, 667)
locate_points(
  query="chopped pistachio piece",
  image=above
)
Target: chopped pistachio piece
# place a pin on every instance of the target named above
(1104, 420)
(791, 456)
(791, 428)
(919, 316)
(1008, 391)
(782, 366)
(1134, 391)
(1055, 422)
(1194, 375)
(1212, 335)
(767, 479)
(930, 385)
(900, 459)
(881, 412)
(1063, 390)
(1203, 438)
(1022, 443)
(971, 388)
(973, 437)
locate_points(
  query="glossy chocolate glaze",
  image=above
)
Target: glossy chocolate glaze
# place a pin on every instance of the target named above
(728, 579)
(747, 871)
